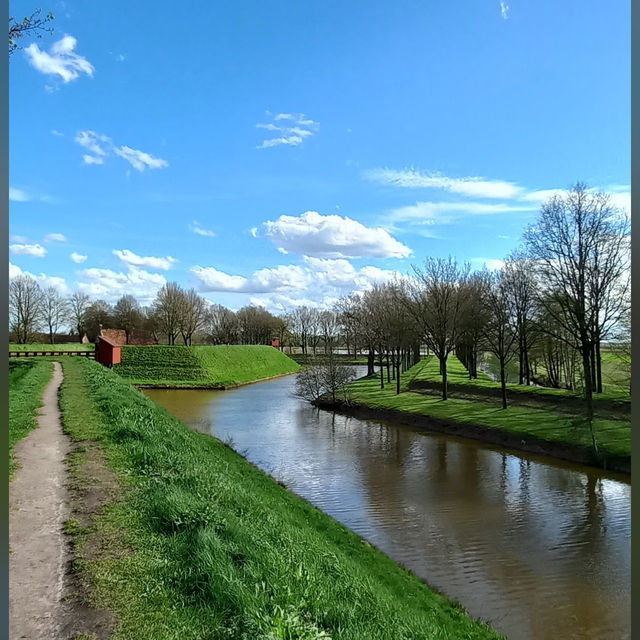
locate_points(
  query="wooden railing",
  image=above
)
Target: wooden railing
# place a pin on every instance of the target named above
(33, 354)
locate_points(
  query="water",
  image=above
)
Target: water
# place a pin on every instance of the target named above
(538, 549)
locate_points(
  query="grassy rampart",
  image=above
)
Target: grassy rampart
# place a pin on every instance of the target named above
(200, 366)
(200, 544)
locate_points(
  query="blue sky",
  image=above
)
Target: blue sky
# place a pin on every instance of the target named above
(284, 153)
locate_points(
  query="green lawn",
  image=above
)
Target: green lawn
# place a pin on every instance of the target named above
(70, 346)
(428, 370)
(613, 436)
(179, 366)
(27, 380)
(201, 544)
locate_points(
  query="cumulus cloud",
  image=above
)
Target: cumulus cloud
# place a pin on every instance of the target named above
(55, 237)
(33, 250)
(504, 10)
(42, 279)
(332, 236)
(197, 228)
(18, 195)
(61, 60)
(101, 146)
(469, 186)
(493, 264)
(111, 285)
(130, 258)
(288, 129)
(78, 258)
(317, 282)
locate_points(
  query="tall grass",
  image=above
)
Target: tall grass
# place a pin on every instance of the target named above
(204, 545)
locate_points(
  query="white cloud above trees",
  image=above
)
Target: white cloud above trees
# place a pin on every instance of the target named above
(110, 285)
(32, 250)
(331, 236)
(151, 262)
(78, 258)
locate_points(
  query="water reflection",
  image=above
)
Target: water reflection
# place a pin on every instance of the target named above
(538, 550)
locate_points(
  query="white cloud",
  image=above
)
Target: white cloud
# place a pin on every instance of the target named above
(196, 228)
(469, 186)
(140, 160)
(101, 146)
(87, 159)
(33, 250)
(493, 264)
(61, 60)
(504, 10)
(78, 257)
(55, 132)
(43, 280)
(55, 237)
(292, 128)
(332, 236)
(150, 262)
(283, 277)
(111, 285)
(18, 195)
(21, 239)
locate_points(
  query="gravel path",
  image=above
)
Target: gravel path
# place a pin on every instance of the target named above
(38, 507)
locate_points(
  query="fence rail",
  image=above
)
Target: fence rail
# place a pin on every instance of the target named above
(39, 353)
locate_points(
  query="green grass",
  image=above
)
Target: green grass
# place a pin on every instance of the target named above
(203, 545)
(613, 436)
(70, 346)
(27, 380)
(428, 370)
(220, 366)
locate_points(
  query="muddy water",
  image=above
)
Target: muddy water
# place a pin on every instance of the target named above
(538, 549)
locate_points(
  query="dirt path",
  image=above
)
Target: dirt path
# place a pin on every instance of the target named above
(38, 507)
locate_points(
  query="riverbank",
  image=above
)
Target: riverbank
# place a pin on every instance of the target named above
(201, 367)
(192, 541)
(545, 432)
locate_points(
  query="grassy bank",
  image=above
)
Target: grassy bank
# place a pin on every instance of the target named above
(201, 544)
(69, 346)
(27, 380)
(342, 358)
(220, 366)
(613, 436)
(427, 373)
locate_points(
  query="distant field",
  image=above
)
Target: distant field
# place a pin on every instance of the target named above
(70, 346)
(27, 380)
(218, 366)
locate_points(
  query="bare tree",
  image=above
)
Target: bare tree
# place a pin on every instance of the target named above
(567, 245)
(328, 329)
(78, 304)
(54, 311)
(327, 377)
(167, 309)
(193, 315)
(25, 304)
(127, 315)
(437, 305)
(221, 325)
(98, 315)
(501, 331)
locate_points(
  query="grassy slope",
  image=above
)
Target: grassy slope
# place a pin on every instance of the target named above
(613, 436)
(204, 545)
(458, 374)
(27, 380)
(70, 346)
(202, 366)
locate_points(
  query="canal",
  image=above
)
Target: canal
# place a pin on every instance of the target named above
(538, 549)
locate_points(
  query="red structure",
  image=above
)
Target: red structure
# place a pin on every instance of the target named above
(108, 353)
(275, 343)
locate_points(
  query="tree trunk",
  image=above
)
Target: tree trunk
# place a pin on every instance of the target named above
(388, 370)
(521, 360)
(598, 367)
(588, 391)
(593, 367)
(370, 362)
(398, 379)
(443, 371)
(503, 384)
(381, 372)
